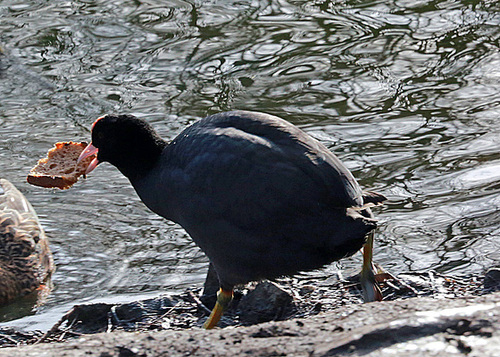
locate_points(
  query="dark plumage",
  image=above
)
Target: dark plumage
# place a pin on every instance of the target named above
(258, 195)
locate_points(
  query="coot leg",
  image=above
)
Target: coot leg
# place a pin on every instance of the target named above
(224, 298)
(371, 291)
(210, 288)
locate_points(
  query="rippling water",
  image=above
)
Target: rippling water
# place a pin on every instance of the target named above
(406, 93)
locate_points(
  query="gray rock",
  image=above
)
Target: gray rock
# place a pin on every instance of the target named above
(267, 302)
(492, 279)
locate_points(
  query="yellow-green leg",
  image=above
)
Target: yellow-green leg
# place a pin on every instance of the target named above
(371, 291)
(224, 298)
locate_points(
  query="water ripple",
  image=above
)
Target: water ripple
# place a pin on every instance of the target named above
(405, 92)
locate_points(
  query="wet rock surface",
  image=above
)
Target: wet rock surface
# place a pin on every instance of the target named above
(267, 302)
(427, 313)
(492, 279)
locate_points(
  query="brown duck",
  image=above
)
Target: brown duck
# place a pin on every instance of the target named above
(26, 263)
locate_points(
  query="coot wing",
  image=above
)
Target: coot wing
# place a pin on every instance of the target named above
(248, 166)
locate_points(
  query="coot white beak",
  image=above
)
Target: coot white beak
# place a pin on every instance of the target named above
(89, 151)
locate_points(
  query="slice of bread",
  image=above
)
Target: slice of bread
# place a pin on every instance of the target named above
(59, 168)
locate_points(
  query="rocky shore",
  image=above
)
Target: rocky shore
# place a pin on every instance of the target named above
(445, 317)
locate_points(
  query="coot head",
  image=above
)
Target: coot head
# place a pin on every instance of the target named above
(128, 143)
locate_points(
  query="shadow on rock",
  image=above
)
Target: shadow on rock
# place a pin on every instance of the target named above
(297, 297)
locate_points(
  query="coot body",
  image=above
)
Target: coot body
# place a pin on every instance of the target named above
(258, 195)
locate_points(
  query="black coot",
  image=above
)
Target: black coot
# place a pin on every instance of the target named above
(258, 195)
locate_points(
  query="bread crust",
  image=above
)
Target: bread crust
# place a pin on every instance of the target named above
(59, 168)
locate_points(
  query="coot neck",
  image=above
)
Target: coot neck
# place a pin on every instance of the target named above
(141, 160)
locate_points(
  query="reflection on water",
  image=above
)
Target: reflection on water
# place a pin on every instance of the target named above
(406, 93)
